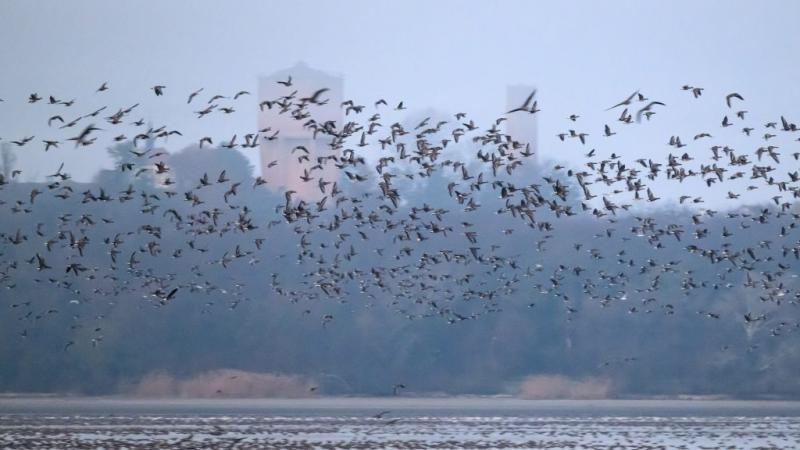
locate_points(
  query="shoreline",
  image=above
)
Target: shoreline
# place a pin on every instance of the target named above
(463, 403)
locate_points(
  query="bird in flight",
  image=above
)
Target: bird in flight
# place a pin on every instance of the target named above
(526, 105)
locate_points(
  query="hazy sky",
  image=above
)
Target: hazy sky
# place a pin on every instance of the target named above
(451, 56)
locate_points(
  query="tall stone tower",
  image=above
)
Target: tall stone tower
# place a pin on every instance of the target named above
(286, 170)
(521, 125)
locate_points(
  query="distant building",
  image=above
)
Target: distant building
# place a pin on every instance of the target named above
(286, 173)
(522, 126)
(286, 170)
(7, 160)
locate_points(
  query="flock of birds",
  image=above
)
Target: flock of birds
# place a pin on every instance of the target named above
(431, 258)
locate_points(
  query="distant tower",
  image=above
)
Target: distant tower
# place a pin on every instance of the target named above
(7, 160)
(287, 172)
(521, 125)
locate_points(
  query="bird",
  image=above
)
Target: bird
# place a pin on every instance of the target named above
(625, 102)
(646, 110)
(731, 96)
(82, 139)
(696, 91)
(193, 95)
(525, 105)
(314, 98)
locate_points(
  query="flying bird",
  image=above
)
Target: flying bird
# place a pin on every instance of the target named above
(525, 105)
(731, 96)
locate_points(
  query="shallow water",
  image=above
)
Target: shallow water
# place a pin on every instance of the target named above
(462, 423)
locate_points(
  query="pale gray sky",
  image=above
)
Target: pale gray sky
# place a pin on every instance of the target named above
(451, 55)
